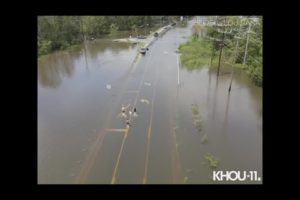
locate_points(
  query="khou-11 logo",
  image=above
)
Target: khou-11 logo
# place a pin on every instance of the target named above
(235, 176)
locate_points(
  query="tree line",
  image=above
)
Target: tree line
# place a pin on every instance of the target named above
(232, 40)
(60, 32)
(240, 38)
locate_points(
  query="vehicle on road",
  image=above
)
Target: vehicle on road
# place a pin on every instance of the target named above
(143, 50)
(141, 37)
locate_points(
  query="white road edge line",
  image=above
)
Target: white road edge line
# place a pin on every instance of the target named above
(178, 69)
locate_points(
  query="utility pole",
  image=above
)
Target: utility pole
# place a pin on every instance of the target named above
(234, 59)
(220, 55)
(222, 45)
(246, 49)
(82, 29)
(212, 55)
(213, 49)
(235, 53)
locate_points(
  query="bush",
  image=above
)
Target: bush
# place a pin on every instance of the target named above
(195, 109)
(256, 75)
(204, 139)
(44, 47)
(113, 29)
(254, 69)
(195, 54)
(212, 160)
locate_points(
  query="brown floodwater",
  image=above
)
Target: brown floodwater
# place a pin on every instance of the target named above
(80, 93)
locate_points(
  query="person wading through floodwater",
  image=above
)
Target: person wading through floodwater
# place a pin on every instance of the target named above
(127, 123)
(123, 110)
(134, 112)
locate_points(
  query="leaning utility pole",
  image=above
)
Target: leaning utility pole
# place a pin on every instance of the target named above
(213, 49)
(220, 55)
(222, 45)
(246, 49)
(232, 70)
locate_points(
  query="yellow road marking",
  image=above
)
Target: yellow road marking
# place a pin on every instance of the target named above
(88, 164)
(90, 159)
(116, 130)
(135, 101)
(177, 174)
(147, 157)
(113, 180)
(149, 136)
(94, 150)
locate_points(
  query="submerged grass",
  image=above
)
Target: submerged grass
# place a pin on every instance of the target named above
(41, 58)
(212, 160)
(195, 109)
(196, 117)
(198, 124)
(195, 54)
(204, 139)
(185, 180)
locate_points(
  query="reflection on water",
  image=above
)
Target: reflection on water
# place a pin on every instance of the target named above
(52, 71)
(101, 45)
(232, 121)
(59, 65)
(72, 102)
(53, 68)
(226, 111)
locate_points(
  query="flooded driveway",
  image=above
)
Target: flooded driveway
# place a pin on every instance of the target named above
(83, 139)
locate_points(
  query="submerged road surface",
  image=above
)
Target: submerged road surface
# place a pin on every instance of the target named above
(145, 152)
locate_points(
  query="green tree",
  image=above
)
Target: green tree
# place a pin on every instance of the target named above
(196, 30)
(113, 29)
(59, 32)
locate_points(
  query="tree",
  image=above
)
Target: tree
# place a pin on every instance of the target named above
(113, 28)
(249, 48)
(134, 28)
(59, 32)
(196, 30)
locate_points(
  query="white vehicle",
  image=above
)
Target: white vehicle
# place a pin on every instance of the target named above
(143, 50)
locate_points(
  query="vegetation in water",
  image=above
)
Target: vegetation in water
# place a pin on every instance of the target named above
(185, 179)
(198, 124)
(195, 54)
(196, 117)
(204, 139)
(195, 109)
(212, 160)
(113, 29)
(235, 40)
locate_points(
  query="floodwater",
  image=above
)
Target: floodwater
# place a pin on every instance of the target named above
(82, 139)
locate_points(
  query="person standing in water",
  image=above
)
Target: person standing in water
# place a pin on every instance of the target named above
(134, 112)
(127, 123)
(123, 110)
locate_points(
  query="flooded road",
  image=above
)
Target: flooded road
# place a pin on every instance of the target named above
(82, 138)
